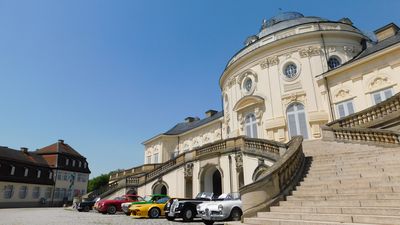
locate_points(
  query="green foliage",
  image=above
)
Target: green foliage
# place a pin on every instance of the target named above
(97, 182)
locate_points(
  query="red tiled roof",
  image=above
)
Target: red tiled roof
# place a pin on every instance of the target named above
(59, 147)
(20, 156)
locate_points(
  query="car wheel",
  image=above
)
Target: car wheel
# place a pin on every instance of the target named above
(170, 218)
(208, 222)
(128, 214)
(111, 209)
(154, 213)
(188, 214)
(236, 214)
(86, 208)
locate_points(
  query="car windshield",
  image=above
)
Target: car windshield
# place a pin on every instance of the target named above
(162, 200)
(229, 196)
(147, 198)
(140, 199)
(202, 195)
(119, 198)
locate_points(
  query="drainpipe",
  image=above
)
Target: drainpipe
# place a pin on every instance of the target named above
(230, 173)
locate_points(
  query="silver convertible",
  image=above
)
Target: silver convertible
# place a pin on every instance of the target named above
(226, 207)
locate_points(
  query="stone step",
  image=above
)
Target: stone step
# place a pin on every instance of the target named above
(347, 203)
(355, 174)
(339, 210)
(384, 167)
(342, 218)
(345, 190)
(352, 159)
(356, 164)
(360, 196)
(268, 221)
(360, 182)
(353, 177)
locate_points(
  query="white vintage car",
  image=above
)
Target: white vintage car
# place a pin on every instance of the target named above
(226, 207)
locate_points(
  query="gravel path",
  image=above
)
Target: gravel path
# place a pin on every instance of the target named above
(68, 216)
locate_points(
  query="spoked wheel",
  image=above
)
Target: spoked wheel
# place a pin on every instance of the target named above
(111, 209)
(154, 213)
(188, 215)
(236, 214)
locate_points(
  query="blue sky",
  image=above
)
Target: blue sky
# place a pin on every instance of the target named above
(107, 75)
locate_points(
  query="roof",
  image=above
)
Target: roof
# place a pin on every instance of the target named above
(24, 157)
(378, 46)
(59, 148)
(186, 126)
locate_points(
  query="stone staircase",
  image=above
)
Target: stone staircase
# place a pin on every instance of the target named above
(345, 184)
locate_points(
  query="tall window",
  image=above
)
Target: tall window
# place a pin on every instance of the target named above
(65, 176)
(148, 159)
(23, 190)
(8, 191)
(344, 108)
(66, 162)
(39, 172)
(156, 158)
(36, 192)
(251, 126)
(73, 163)
(26, 172)
(297, 120)
(382, 95)
(12, 170)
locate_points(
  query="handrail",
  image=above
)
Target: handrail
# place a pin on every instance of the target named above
(371, 116)
(276, 182)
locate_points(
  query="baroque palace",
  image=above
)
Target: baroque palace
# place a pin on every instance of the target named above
(302, 93)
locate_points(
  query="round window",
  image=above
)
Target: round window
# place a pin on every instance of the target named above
(248, 84)
(290, 70)
(333, 62)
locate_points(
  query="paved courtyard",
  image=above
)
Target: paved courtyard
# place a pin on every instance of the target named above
(68, 216)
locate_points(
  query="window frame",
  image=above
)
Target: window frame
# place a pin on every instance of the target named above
(345, 107)
(250, 124)
(382, 95)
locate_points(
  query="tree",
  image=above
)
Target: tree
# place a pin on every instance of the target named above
(97, 182)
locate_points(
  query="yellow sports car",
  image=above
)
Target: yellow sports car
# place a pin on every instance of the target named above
(153, 210)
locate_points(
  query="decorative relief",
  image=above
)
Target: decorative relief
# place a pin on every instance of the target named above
(241, 120)
(310, 51)
(227, 117)
(242, 76)
(349, 49)
(188, 170)
(239, 161)
(378, 82)
(294, 97)
(258, 113)
(342, 93)
(268, 62)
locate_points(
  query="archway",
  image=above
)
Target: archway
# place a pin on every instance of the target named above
(211, 181)
(160, 188)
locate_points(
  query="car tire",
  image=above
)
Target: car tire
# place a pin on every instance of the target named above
(188, 215)
(208, 222)
(236, 214)
(154, 213)
(111, 209)
(128, 214)
(86, 208)
(170, 218)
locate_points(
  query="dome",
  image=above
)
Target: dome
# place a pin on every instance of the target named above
(284, 20)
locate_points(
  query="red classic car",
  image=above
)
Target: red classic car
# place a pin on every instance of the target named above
(111, 206)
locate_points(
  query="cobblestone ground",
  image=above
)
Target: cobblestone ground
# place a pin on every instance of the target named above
(68, 216)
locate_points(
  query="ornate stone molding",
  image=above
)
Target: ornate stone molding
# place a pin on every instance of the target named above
(258, 113)
(294, 97)
(239, 162)
(268, 62)
(245, 74)
(310, 51)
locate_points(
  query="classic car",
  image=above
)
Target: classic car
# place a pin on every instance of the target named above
(152, 210)
(186, 208)
(147, 200)
(86, 206)
(111, 206)
(226, 207)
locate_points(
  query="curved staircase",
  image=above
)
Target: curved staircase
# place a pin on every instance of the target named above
(345, 184)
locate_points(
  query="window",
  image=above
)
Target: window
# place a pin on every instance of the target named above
(47, 194)
(65, 176)
(80, 164)
(23, 190)
(63, 192)
(248, 84)
(149, 159)
(36, 192)
(78, 178)
(39, 172)
(59, 175)
(8, 191)
(297, 120)
(73, 163)
(290, 70)
(345, 108)
(251, 126)
(333, 62)
(12, 171)
(26, 172)
(66, 161)
(50, 175)
(69, 193)
(156, 158)
(382, 95)
(85, 165)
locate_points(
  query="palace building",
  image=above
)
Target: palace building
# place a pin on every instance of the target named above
(50, 176)
(297, 76)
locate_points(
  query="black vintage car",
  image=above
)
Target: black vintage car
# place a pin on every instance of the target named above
(86, 206)
(185, 208)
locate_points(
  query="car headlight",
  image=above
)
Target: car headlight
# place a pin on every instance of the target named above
(220, 207)
(198, 207)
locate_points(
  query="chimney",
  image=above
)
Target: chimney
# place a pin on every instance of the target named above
(61, 141)
(24, 150)
(211, 113)
(386, 32)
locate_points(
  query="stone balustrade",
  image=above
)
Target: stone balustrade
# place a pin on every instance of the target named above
(277, 182)
(372, 116)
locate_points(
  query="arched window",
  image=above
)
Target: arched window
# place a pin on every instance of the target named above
(296, 117)
(251, 126)
(333, 62)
